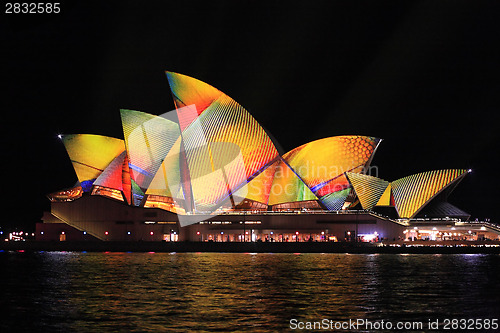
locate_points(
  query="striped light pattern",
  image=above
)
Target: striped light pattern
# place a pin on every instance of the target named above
(335, 201)
(259, 188)
(216, 171)
(323, 160)
(225, 146)
(167, 181)
(287, 187)
(148, 139)
(412, 193)
(368, 189)
(91, 154)
(188, 91)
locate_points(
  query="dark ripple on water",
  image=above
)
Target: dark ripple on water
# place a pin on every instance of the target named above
(213, 292)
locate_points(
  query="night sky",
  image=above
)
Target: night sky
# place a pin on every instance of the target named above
(423, 76)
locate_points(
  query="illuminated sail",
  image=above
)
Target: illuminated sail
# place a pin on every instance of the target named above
(368, 189)
(91, 154)
(148, 139)
(335, 201)
(319, 162)
(412, 193)
(224, 145)
(210, 154)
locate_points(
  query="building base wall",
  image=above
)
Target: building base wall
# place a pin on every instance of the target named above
(110, 220)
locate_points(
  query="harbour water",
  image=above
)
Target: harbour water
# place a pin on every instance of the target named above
(218, 292)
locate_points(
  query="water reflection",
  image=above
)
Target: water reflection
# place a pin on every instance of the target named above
(86, 292)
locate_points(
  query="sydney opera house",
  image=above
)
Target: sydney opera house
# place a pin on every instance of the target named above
(209, 172)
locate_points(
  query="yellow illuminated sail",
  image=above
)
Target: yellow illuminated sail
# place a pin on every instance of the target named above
(386, 199)
(224, 145)
(287, 187)
(91, 154)
(412, 193)
(368, 189)
(324, 160)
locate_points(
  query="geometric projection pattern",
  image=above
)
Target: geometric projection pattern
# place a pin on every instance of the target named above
(225, 146)
(259, 188)
(334, 201)
(369, 189)
(287, 187)
(412, 193)
(167, 181)
(148, 139)
(320, 161)
(188, 91)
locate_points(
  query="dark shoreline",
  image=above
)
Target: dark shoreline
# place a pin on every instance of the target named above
(258, 247)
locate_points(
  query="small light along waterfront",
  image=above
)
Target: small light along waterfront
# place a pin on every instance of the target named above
(429, 247)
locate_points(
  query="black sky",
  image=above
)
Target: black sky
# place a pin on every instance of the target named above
(422, 75)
